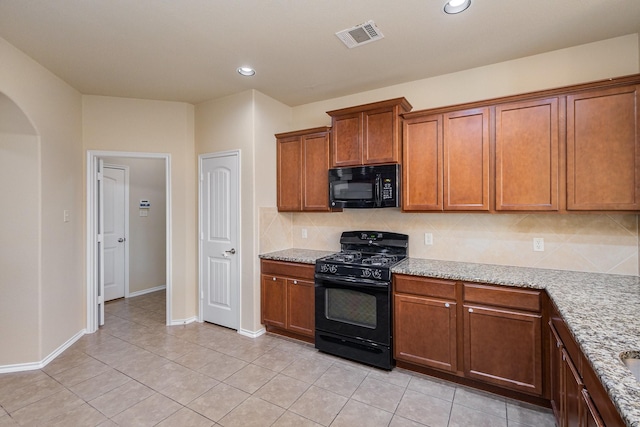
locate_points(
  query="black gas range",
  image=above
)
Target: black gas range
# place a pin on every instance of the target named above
(353, 296)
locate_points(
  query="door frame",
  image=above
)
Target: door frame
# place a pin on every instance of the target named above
(126, 221)
(92, 226)
(202, 157)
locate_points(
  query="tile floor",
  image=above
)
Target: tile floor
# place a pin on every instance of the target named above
(135, 371)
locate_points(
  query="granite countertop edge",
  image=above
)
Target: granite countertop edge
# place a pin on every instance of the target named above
(600, 310)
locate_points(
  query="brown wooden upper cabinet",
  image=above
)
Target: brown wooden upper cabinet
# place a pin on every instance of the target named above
(367, 134)
(422, 163)
(302, 170)
(527, 155)
(603, 152)
(575, 148)
(446, 161)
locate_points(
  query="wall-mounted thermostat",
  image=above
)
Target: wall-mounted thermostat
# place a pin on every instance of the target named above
(145, 204)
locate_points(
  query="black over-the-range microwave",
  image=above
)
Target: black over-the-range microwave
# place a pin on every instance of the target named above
(365, 187)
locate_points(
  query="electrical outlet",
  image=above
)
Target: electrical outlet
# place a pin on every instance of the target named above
(304, 233)
(428, 239)
(66, 216)
(538, 244)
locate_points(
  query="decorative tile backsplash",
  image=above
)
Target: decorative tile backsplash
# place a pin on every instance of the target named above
(603, 243)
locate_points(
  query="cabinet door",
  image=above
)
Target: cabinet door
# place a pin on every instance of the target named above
(289, 171)
(527, 156)
(503, 347)
(603, 153)
(591, 416)
(466, 160)
(422, 164)
(556, 374)
(300, 307)
(346, 141)
(315, 173)
(273, 300)
(380, 137)
(573, 386)
(425, 331)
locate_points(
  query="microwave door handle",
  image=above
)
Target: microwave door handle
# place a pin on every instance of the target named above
(378, 189)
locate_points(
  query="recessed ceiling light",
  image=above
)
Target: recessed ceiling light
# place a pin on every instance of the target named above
(456, 6)
(246, 71)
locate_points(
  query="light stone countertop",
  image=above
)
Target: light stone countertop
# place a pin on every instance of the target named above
(602, 311)
(303, 256)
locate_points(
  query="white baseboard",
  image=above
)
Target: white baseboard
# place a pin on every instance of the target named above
(252, 334)
(180, 322)
(19, 367)
(146, 291)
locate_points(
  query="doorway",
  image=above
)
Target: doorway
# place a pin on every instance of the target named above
(145, 207)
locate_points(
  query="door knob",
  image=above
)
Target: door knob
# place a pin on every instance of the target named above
(230, 251)
(120, 240)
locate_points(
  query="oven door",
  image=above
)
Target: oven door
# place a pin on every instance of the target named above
(354, 308)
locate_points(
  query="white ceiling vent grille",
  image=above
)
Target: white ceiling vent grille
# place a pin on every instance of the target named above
(360, 34)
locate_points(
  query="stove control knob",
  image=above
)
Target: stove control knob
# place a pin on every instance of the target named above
(366, 273)
(333, 269)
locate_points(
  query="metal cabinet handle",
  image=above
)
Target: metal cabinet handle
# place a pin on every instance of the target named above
(273, 279)
(295, 282)
(471, 310)
(446, 304)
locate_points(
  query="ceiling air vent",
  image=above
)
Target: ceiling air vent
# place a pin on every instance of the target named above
(360, 34)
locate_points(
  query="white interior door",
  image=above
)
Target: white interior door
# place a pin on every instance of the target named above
(114, 233)
(219, 238)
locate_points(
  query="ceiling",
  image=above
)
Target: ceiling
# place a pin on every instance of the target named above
(188, 50)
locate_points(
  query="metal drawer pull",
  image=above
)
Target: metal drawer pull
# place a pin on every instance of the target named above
(471, 310)
(446, 304)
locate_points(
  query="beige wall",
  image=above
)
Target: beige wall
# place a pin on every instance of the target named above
(55, 298)
(595, 61)
(147, 234)
(20, 247)
(598, 243)
(134, 125)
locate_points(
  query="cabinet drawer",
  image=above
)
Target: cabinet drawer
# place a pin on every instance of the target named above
(502, 296)
(287, 269)
(425, 286)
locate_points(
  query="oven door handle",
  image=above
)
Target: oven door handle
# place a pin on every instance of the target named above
(352, 282)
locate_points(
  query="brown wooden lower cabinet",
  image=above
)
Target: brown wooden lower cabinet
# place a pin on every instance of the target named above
(300, 306)
(489, 334)
(577, 399)
(288, 298)
(503, 347)
(425, 327)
